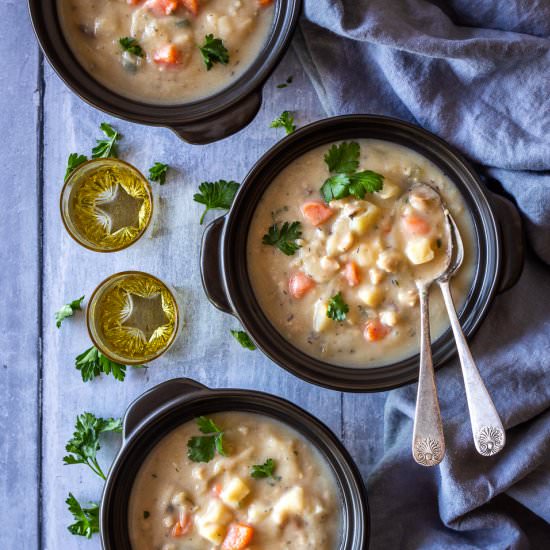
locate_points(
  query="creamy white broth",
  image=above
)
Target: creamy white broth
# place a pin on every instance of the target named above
(382, 325)
(93, 29)
(299, 509)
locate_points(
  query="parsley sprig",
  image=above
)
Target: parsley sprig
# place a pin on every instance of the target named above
(86, 517)
(337, 309)
(131, 45)
(67, 311)
(217, 195)
(284, 120)
(285, 237)
(73, 162)
(286, 83)
(202, 448)
(157, 172)
(343, 161)
(84, 444)
(267, 469)
(92, 363)
(242, 337)
(213, 51)
(106, 148)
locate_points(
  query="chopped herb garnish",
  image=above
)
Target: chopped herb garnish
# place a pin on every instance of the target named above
(73, 162)
(131, 45)
(284, 120)
(86, 517)
(267, 469)
(92, 363)
(242, 337)
(67, 311)
(157, 172)
(84, 444)
(286, 83)
(342, 161)
(439, 243)
(146, 514)
(202, 448)
(106, 147)
(216, 195)
(337, 309)
(213, 51)
(285, 237)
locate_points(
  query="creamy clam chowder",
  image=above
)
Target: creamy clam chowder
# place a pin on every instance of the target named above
(338, 280)
(150, 50)
(258, 486)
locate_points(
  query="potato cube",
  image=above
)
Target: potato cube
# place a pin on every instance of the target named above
(290, 503)
(213, 532)
(372, 296)
(376, 275)
(389, 318)
(216, 512)
(389, 260)
(389, 189)
(361, 223)
(257, 513)
(320, 320)
(234, 492)
(419, 251)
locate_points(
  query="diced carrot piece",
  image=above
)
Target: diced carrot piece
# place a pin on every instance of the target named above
(416, 225)
(217, 489)
(300, 284)
(316, 212)
(374, 331)
(133, 2)
(352, 273)
(168, 55)
(239, 536)
(191, 5)
(162, 7)
(183, 525)
(265, 3)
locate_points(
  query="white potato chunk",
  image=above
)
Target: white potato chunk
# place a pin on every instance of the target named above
(329, 264)
(212, 532)
(389, 318)
(361, 223)
(372, 296)
(320, 320)
(389, 260)
(408, 298)
(257, 513)
(290, 503)
(419, 251)
(235, 491)
(389, 189)
(376, 275)
(216, 512)
(179, 499)
(339, 240)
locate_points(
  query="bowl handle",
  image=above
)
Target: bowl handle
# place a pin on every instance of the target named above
(513, 241)
(211, 269)
(220, 126)
(153, 399)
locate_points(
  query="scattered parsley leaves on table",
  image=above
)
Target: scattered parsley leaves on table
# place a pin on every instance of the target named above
(131, 45)
(73, 162)
(337, 309)
(284, 120)
(286, 83)
(202, 448)
(106, 148)
(157, 172)
(213, 51)
(67, 311)
(242, 337)
(284, 238)
(86, 517)
(217, 195)
(92, 363)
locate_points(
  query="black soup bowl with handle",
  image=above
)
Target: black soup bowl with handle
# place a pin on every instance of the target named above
(497, 238)
(202, 121)
(169, 405)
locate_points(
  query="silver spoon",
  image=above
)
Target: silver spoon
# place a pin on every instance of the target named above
(487, 428)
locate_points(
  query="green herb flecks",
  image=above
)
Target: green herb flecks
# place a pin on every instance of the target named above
(242, 337)
(131, 45)
(284, 120)
(157, 172)
(337, 309)
(73, 162)
(86, 517)
(67, 311)
(217, 195)
(213, 51)
(202, 448)
(284, 238)
(267, 469)
(106, 148)
(92, 363)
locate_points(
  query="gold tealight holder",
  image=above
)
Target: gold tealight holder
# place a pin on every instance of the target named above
(106, 204)
(133, 317)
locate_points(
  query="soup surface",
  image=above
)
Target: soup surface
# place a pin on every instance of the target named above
(338, 281)
(272, 490)
(149, 50)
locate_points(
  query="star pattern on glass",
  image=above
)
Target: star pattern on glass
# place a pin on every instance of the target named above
(146, 314)
(122, 210)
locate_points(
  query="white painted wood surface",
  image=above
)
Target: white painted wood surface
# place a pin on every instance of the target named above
(43, 268)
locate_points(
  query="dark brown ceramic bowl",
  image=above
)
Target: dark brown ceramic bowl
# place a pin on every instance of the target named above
(202, 121)
(498, 236)
(165, 407)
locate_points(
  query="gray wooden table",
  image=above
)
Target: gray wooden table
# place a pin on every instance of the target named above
(42, 268)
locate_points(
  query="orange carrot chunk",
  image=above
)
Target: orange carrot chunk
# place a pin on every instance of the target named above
(239, 536)
(169, 55)
(162, 7)
(183, 525)
(316, 212)
(265, 3)
(191, 5)
(352, 273)
(416, 225)
(375, 331)
(300, 284)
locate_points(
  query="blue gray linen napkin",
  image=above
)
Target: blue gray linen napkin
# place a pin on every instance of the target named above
(478, 75)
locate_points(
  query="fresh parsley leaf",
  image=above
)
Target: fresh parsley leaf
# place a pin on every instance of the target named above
(343, 158)
(336, 187)
(131, 45)
(284, 120)
(284, 238)
(84, 444)
(202, 448)
(337, 308)
(286, 83)
(92, 363)
(213, 51)
(146, 514)
(365, 182)
(267, 469)
(106, 148)
(73, 162)
(242, 337)
(67, 311)
(157, 172)
(217, 195)
(86, 517)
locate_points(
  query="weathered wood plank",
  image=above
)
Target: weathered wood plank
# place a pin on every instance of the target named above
(19, 281)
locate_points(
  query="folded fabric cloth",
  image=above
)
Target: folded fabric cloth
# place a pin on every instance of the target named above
(478, 75)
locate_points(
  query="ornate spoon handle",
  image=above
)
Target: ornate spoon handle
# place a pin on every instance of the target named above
(487, 429)
(428, 445)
